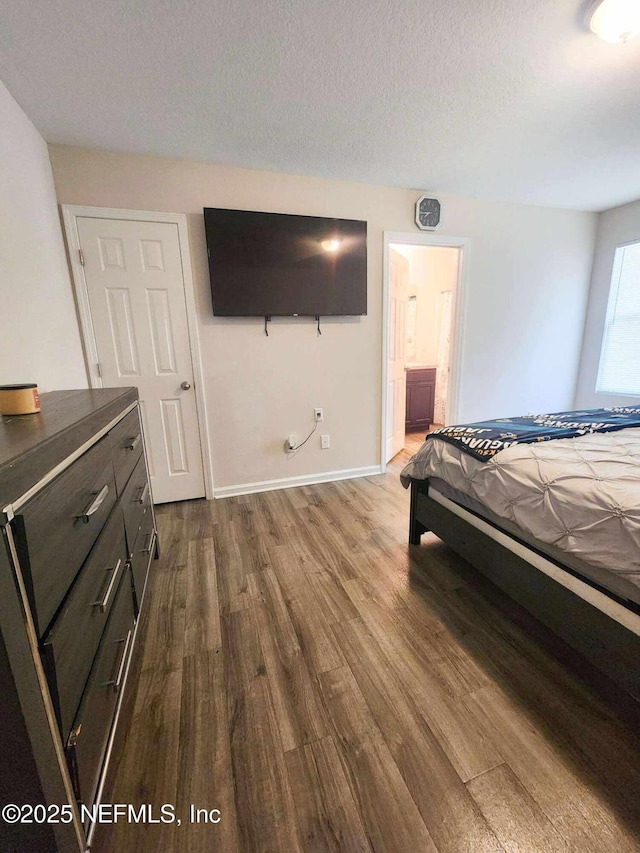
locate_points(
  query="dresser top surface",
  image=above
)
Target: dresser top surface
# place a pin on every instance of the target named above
(31, 445)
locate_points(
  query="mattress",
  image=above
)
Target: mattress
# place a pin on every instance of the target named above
(576, 499)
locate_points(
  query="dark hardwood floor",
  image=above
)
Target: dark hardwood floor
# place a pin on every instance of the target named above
(328, 688)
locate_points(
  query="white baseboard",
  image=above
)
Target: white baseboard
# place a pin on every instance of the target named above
(291, 482)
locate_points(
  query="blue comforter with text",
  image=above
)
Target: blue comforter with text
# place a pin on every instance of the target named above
(484, 439)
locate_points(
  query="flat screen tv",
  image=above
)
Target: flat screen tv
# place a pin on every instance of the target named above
(275, 264)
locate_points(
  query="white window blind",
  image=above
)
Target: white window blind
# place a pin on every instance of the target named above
(619, 371)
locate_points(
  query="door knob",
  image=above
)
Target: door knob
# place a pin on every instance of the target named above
(185, 385)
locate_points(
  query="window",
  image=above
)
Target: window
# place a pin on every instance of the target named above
(619, 371)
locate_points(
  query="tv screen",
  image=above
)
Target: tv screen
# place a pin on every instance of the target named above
(275, 264)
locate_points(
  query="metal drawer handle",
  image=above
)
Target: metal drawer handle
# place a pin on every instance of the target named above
(145, 492)
(147, 550)
(134, 442)
(103, 604)
(118, 682)
(95, 505)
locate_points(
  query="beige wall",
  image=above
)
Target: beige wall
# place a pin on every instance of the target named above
(616, 226)
(524, 313)
(39, 339)
(432, 270)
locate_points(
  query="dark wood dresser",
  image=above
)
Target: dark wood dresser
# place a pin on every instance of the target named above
(421, 395)
(78, 537)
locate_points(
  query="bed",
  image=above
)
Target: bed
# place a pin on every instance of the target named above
(555, 524)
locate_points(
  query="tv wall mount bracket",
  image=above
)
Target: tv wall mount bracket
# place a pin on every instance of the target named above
(267, 320)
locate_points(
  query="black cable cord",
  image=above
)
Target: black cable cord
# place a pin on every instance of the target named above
(298, 446)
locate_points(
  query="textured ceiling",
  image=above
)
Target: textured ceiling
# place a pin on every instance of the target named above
(504, 99)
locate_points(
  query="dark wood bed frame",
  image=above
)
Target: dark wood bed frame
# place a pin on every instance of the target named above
(610, 646)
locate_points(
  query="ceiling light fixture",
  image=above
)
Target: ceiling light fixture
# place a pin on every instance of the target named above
(614, 21)
(330, 245)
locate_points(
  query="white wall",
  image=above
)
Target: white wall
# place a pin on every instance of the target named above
(39, 338)
(619, 225)
(529, 274)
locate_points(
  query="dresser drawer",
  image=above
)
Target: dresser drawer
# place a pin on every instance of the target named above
(126, 448)
(88, 741)
(136, 502)
(141, 556)
(71, 645)
(57, 528)
(421, 374)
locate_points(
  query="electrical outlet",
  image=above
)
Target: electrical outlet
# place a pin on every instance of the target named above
(325, 442)
(318, 415)
(291, 442)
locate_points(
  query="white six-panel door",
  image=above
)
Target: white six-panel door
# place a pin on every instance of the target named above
(396, 376)
(135, 286)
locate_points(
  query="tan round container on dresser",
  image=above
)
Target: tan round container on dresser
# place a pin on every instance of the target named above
(19, 399)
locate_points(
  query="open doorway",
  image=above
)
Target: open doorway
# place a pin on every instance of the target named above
(422, 298)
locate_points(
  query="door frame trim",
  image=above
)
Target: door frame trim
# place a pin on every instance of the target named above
(70, 215)
(410, 238)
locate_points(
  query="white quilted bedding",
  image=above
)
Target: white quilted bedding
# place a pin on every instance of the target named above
(580, 495)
